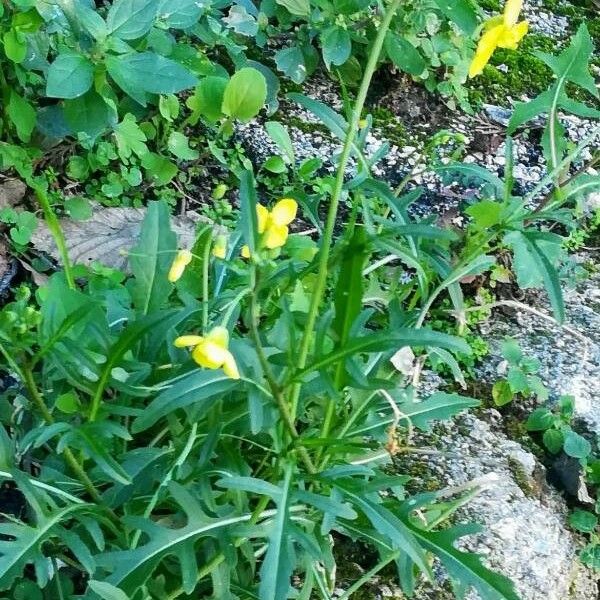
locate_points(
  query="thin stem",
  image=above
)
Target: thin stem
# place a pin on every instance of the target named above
(205, 294)
(57, 234)
(29, 381)
(266, 367)
(319, 289)
(369, 575)
(59, 588)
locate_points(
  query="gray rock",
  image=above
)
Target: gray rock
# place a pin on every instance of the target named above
(524, 534)
(569, 356)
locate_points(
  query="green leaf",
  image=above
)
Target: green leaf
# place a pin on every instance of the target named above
(463, 567)
(69, 76)
(553, 440)
(208, 98)
(473, 173)
(348, 293)
(502, 392)
(386, 523)
(404, 55)
(179, 146)
(590, 555)
(461, 12)
(583, 520)
(89, 114)
(336, 45)
(179, 14)
(23, 542)
(131, 19)
(130, 138)
(486, 213)
(160, 169)
(277, 567)
(15, 45)
(245, 94)
(68, 402)
(196, 388)
(151, 259)
(382, 341)
(571, 65)
(22, 114)
(107, 591)
(299, 8)
(280, 135)
(147, 72)
(78, 208)
(249, 219)
(539, 420)
(290, 61)
(533, 257)
(275, 164)
(576, 445)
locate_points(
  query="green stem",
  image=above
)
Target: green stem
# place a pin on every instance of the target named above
(29, 381)
(273, 385)
(319, 289)
(369, 575)
(205, 293)
(57, 234)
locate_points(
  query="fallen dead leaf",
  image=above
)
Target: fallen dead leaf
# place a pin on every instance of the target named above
(106, 236)
(12, 192)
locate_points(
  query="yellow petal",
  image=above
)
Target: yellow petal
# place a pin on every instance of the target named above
(185, 341)
(219, 335)
(220, 247)
(512, 9)
(245, 251)
(209, 355)
(511, 37)
(180, 262)
(276, 236)
(284, 212)
(485, 49)
(262, 215)
(230, 367)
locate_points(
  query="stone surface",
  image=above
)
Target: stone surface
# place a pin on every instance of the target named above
(569, 356)
(524, 534)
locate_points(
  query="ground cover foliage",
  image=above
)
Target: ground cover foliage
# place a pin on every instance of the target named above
(215, 420)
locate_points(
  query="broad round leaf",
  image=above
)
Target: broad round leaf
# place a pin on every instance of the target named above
(69, 76)
(245, 94)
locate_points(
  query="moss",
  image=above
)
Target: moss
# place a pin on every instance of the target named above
(520, 477)
(390, 126)
(526, 73)
(302, 125)
(492, 6)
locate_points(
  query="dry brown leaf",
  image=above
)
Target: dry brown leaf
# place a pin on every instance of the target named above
(106, 236)
(11, 192)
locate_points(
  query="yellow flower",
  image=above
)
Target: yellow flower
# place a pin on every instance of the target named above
(220, 247)
(211, 351)
(500, 32)
(180, 262)
(273, 225)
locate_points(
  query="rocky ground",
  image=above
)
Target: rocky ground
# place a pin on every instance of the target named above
(525, 536)
(524, 517)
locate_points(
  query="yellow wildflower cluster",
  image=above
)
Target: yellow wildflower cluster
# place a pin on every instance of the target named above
(503, 31)
(211, 351)
(273, 224)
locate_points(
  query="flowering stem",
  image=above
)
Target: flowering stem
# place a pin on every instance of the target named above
(319, 289)
(57, 234)
(266, 367)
